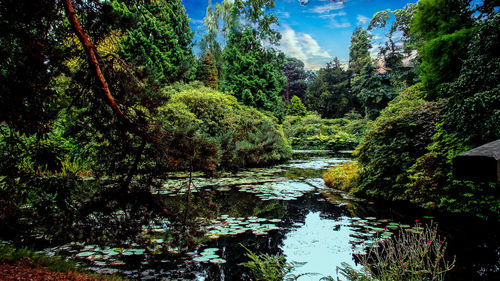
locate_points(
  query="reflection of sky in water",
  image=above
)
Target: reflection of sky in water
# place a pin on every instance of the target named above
(316, 163)
(318, 244)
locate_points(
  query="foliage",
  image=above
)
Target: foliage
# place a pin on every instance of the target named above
(359, 54)
(441, 27)
(343, 177)
(412, 255)
(244, 137)
(269, 267)
(469, 120)
(398, 45)
(158, 39)
(372, 90)
(296, 107)
(313, 132)
(251, 69)
(208, 73)
(30, 38)
(393, 143)
(78, 132)
(209, 44)
(329, 93)
(297, 79)
(474, 105)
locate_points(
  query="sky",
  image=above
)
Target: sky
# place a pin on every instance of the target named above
(317, 32)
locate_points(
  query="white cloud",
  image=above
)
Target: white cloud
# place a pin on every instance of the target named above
(195, 21)
(341, 13)
(283, 15)
(362, 19)
(335, 23)
(326, 8)
(304, 47)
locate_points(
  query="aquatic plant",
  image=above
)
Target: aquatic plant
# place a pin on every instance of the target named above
(267, 267)
(414, 254)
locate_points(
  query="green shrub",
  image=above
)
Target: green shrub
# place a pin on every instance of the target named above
(296, 107)
(393, 143)
(344, 177)
(242, 136)
(313, 132)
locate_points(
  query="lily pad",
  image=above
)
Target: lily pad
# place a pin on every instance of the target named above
(218, 261)
(85, 254)
(201, 259)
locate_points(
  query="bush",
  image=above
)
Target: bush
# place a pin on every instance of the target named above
(344, 177)
(313, 132)
(242, 136)
(296, 107)
(393, 143)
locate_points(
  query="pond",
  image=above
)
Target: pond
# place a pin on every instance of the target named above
(288, 210)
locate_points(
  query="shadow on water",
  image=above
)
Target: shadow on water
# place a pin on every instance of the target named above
(287, 210)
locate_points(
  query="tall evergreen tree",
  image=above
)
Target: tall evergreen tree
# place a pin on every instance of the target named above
(372, 90)
(158, 39)
(210, 44)
(296, 79)
(359, 51)
(329, 94)
(251, 71)
(208, 71)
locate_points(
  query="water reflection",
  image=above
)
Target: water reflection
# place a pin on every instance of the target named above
(311, 225)
(320, 244)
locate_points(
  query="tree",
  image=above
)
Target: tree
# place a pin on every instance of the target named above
(441, 27)
(473, 109)
(208, 71)
(398, 45)
(210, 44)
(296, 79)
(66, 99)
(329, 93)
(372, 89)
(296, 107)
(249, 66)
(359, 50)
(251, 71)
(29, 39)
(158, 39)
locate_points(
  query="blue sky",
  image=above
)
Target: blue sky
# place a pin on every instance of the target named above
(316, 32)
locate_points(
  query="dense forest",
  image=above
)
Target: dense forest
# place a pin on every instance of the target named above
(103, 101)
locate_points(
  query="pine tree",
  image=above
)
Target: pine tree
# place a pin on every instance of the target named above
(158, 40)
(208, 71)
(249, 66)
(359, 53)
(296, 107)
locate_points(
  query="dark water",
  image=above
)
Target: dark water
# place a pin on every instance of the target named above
(287, 210)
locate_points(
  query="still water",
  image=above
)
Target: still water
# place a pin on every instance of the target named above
(288, 210)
